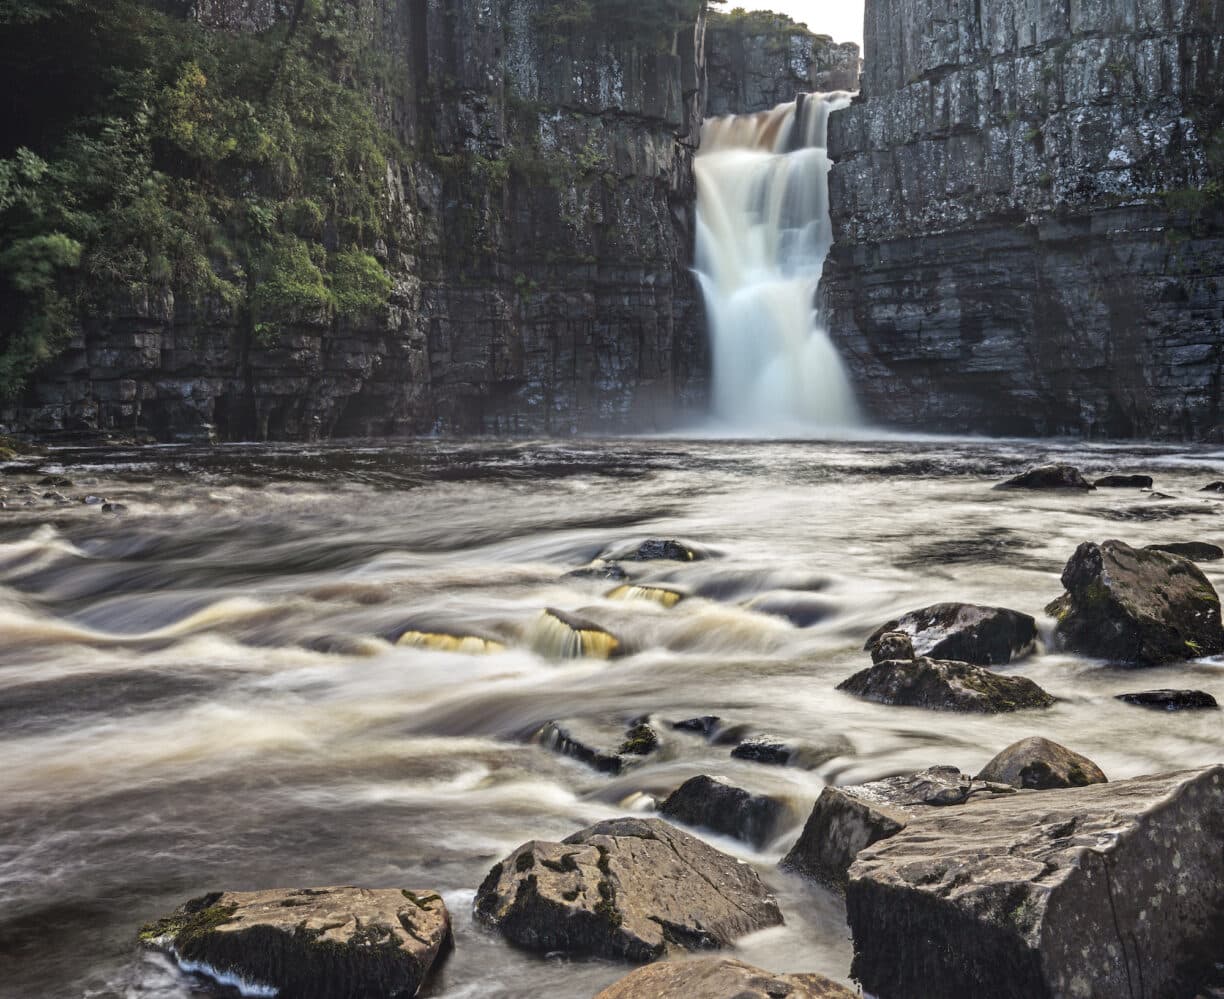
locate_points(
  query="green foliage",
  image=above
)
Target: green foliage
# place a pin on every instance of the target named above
(245, 170)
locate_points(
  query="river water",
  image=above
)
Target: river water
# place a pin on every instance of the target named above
(198, 693)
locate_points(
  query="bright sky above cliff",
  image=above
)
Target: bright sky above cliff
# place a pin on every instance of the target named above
(843, 19)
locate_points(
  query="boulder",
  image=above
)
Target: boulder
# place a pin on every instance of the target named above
(1213, 487)
(659, 549)
(609, 748)
(1195, 551)
(312, 943)
(771, 749)
(711, 803)
(720, 978)
(1136, 606)
(1088, 892)
(844, 820)
(703, 725)
(891, 645)
(630, 889)
(1038, 764)
(1124, 482)
(1171, 700)
(945, 686)
(984, 636)
(1048, 477)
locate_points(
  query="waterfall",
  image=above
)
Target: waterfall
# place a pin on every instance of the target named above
(763, 233)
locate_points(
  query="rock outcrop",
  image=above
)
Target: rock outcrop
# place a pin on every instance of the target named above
(1038, 764)
(720, 978)
(984, 636)
(630, 889)
(1086, 892)
(712, 803)
(1137, 606)
(539, 238)
(1028, 233)
(756, 60)
(945, 686)
(312, 943)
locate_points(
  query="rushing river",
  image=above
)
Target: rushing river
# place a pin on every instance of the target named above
(198, 693)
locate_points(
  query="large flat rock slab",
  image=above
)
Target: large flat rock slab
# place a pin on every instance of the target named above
(309, 943)
(1107, 891)
(720, 978)
(631, 889)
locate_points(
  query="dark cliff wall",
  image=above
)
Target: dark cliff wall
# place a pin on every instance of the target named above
(538, 226)
(756, 61)
(1027, 207)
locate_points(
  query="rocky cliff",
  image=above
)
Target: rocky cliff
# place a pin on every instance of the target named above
(1027, 206)
(757, 60)
(535, 226)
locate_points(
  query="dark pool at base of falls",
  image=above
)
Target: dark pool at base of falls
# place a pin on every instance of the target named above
(199, 692)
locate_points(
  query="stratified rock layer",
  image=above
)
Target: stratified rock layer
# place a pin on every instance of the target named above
(1082, 893)
(312, 943)
(1023, 242)
(625, 888)
(720, 978)
(1137, 606)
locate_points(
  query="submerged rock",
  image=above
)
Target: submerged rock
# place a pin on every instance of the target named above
(845, 820)
(1171, 700)
(560, 635)
(984, 636)
(662, 595)
(1213, 487)
(772, 749)
(657, 549)
(609, 571)
(1195, 551)
(801, 609)
(891, 645)
(313, 943)
(1124, 482)
(631, 889)
(1040, 765)
(711, 803)
(1136, 606)
(720, 978)
(704, 725)
(442, 642)
(1035, 896)
(945, 686)
(1056, 476)
(607, 748)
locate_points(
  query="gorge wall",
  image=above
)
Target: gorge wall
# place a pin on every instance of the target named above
(1027, 211)
(536, 226)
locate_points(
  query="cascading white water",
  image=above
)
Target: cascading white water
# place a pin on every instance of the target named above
(763, 233)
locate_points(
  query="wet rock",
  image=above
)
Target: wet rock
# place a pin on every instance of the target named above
(711, 803)
(609, 571)
(971, 633)
(1136, 606)
(720, 978)
(1038, 764)
(1086, 892)
(844, 820)
(313, 943)
(1124, 482)
(704, 725)
(114, 508)
(631, 889)
(945, 686)
(58, 481)
(607, 748)
(657, 549)
(1195, 551)
(764, 749)
(891, 645)
(1171, 700)
(1048, 477)
(771, 749)
(1213, 487)
(441, 641)
(560, 635)
(93, 501)
(663, 596)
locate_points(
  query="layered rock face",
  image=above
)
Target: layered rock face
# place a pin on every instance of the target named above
(758, 60)
(1027, 214)
(540, 225)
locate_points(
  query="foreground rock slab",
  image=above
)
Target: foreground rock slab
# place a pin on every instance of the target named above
(1137, 606)
(945, 686)
(629, 888)
(971, 633)
(845, 820)
(712, 803)
(311, 943)
(1083, 893)
(1038, 764)
(720, 978)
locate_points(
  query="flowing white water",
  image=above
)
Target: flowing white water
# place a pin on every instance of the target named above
(763, 233)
